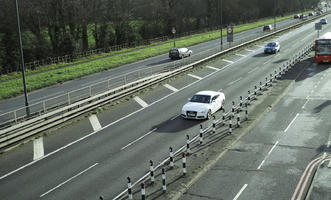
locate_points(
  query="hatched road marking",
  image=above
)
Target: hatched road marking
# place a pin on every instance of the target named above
(194, 76)
(170, 87)
(95, 122)
(228, 61)
(140, 101)
(38, 148)
(249, 50)
(240, 55)
(214, 68)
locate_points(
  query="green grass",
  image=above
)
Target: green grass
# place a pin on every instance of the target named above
(42, 79)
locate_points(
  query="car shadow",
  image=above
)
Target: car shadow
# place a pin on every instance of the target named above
(261, 55)
(176, 125)
(167, 60)
(323, 105)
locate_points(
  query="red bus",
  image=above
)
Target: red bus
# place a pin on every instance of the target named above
(323, 48)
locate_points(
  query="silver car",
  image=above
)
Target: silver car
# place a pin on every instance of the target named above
(179, 53)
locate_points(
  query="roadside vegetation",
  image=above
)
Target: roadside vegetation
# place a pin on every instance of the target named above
(54, 74)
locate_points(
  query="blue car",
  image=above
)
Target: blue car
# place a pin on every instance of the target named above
(272, 47)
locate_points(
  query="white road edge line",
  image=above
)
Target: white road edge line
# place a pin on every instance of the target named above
(291, 122)
(140, 102)
(240, 191)
(267, 61)
(268, 154)
(95, 122)
(233, 82)
(194, 76)
(141, 137)
(170, 87)
(108, 125)
(174, 117)
(80, 173)
(214, 68)
(253, 70)
(228, 61)
(38, 148)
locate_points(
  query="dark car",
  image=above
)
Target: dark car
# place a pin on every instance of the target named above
(272, 47)
(323, 21)
(296, 16)
(179, 53)
(267, 27)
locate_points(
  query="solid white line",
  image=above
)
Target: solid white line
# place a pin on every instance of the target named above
(291, 122)
(194, 76)
(95, 122)
(304, 105)
(174, 117)
(140, 101)
(228, 61)
(220, 90)
(240, 191)
(253, 70)
(233, 82)
(80, 173)
(259, 167)
(214, 68)
(170, 87)
(47, 97)
(272, 148)
(238, 54)
(328, 145)
(38, 148)
(267, 61)
(141, 137)
(249, 50)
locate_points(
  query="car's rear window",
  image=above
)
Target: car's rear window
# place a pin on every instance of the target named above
(174, 51)
(201, 98)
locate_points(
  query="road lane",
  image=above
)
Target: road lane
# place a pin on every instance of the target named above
(104, 147)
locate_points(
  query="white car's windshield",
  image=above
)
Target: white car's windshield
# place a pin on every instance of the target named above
(272, 44)
(200, 99)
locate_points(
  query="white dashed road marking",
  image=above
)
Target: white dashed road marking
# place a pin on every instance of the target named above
(214, 68)
(228, 61)
(267, 61)
(233, 82)
(291, 122)
(253, 70)
(194, 76)
(95, 122)
(38, 148)
(259, 167)
(240, 55)
(240, 191)
(170, 87)
(140, 102)
(51, 190)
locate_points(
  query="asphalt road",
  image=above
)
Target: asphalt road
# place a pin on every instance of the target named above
(161, 62)
(267, 162)
(80, 163)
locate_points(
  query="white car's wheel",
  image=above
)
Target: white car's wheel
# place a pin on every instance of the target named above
(209, 114)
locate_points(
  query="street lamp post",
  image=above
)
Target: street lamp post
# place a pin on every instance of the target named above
(221, 26)
(275, 9)
(22, 59)
(174, 32)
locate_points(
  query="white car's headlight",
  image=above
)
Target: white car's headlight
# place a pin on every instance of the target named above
(203, 112)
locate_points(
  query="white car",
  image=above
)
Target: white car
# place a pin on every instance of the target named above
(203, 104)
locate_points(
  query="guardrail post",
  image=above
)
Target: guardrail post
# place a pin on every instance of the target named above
(261, 87)
(270, 79)
(249, 96)
(214, 124)
(151, 170)
(255, 91)
(201, 134)
(246, 111)
(171, 157)
(15, 116)
(241, 102)
(184, 163)
(233, 108)
(266, 81)
(69, 98)
(108, 84)
(223, 116)
(143, 191)
(188, 144)
(238, 118)
(129, 188)
(164, 186)
(101, 197)
(90, 90)
(230, 124)
(44, 106)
